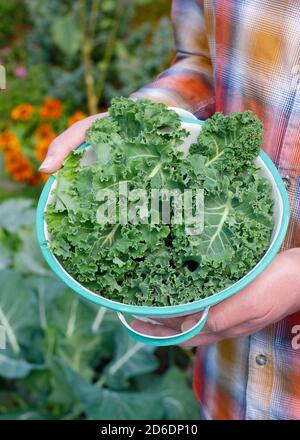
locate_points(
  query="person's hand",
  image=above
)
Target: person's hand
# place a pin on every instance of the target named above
(272, 296)
(65, 142)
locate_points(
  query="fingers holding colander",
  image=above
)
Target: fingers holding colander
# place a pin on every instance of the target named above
(176, 322)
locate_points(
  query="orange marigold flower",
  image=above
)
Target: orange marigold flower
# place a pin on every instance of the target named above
(22, 112)
(42, 147)
(44, 131)
(10, 155)
(51, 109)
(45, 136)
(35, 179)
(20, 169)
(18, 166)
(9, 141)
(44, 177)
(2, 141)
(77, 116)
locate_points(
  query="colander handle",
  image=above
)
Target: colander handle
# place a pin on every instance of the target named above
(162, 341)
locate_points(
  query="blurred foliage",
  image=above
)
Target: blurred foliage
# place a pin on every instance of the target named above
(66, 358)
(27, 134)
(121, 61)
(47, 40)
(13, 19)
(79, 52)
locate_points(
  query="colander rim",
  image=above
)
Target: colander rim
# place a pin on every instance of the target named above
(180, 309)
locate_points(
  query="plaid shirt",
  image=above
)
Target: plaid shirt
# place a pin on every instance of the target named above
(233, 55)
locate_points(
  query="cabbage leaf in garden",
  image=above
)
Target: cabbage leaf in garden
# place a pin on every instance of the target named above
(161, 264)
(52, 343)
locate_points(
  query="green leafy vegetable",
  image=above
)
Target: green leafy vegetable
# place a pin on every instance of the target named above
(140, 263)
(15, 368)
(44, 327)
(161, 400)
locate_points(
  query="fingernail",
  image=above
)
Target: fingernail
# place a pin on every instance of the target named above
(189, 323)
(46, 165)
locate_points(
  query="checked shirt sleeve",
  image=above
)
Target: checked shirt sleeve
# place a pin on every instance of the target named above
(188, 83)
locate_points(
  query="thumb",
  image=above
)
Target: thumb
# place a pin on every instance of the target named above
(66, 142)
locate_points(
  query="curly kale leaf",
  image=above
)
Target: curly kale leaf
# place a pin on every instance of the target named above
(144, 264)
(229, 143)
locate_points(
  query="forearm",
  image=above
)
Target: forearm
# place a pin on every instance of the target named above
(188, 83)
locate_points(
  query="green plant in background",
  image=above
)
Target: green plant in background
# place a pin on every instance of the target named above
(66, 358)
(12, 18)
(81, 51)
(92, 52)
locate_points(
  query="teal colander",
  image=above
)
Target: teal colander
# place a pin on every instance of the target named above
(280, 217)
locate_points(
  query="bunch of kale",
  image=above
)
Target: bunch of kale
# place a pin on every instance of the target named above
(158, 265)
